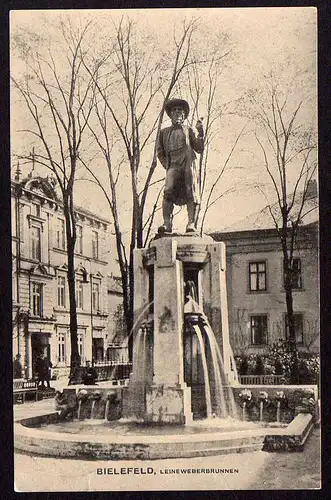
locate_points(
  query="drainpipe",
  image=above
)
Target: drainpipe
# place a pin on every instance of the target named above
(18, 266)
(49, 241)
(91, 308)
(91, 312)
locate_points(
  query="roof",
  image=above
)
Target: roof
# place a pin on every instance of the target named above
(45, 186)
(114, 285)
(88, 213)
(263, 220)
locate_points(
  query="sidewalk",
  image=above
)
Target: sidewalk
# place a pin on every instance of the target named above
(257, 470)
(33, 408)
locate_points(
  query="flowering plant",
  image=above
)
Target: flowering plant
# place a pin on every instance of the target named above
(263, 396)
(111, 395)
(280, 395)
(95, 395)
(245, 395)
(82, 394)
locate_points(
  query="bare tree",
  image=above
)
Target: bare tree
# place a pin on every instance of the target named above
(59, 97)
(134, 81)
(239, 331)
(288, 146)
(203, 81)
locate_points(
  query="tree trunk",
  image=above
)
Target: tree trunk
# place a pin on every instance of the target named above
(75, 357)
(75, 360)
(290, 321)
(140, 228)
(131, 301)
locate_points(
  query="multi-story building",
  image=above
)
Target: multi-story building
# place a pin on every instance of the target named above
(117, 350)
(40, 288)
(255, 286)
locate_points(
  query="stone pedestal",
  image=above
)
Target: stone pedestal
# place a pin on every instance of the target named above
(168, 315)
(169, 399)
(157, 392)
(215, 304)
(167, 404)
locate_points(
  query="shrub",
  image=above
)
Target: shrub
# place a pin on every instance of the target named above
(279, 361)
(281, 356)
(243, 366)
(259, 366)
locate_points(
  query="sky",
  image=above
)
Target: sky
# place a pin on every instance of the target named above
(260, 39)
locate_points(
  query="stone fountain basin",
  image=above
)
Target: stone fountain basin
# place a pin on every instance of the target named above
(31, 436)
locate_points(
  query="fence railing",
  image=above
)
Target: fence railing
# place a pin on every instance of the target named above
(113, 371)
(261, 379)
(117, 354)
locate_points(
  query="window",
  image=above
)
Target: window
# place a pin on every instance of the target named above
(80, 344)
(14, 287)
(60, 234)
(95, 245)
(298, 328)
(259, 330)
(37, 299)
(61, 348)
(79, 246)
(35, 209)
(61, 291)
(296, 274)
(35, 243)
(79, 294)
(257, 276)
(21, 222)
(96, 296)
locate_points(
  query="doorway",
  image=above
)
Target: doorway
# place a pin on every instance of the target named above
(97, 350)
(40, 344)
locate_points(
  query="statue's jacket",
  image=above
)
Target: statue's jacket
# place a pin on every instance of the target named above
(176, 149)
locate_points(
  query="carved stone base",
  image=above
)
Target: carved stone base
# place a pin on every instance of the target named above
(184, 237)
(133, 401)
(168, 404)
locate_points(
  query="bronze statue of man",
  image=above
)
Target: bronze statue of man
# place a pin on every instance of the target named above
(176, 149)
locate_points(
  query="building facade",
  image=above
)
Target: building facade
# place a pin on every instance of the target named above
(40, 289)
(256, 295)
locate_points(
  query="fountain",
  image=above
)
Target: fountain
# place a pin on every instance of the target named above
(169, 391)
(179, 401)
(279, 397)
(95, 396)
(263, 398)
(245, 397)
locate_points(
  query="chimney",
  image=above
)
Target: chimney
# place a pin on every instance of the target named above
(18, 172)
(311, 189)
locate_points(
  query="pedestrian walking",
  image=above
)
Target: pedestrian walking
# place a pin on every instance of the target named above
(39, 370)
(47, 370)
(90, 374)
(17, 367)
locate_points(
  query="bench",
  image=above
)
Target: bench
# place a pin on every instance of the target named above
(21, 387)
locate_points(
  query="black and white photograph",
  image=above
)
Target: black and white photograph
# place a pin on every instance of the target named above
(165, 249)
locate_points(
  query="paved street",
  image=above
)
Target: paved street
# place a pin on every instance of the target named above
(247, 471)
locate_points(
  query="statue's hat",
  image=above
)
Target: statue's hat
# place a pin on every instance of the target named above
(177, 102)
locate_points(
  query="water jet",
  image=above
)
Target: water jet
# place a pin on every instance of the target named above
(179, 401)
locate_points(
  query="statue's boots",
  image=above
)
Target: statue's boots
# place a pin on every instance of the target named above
(190, 228)
(192, 210)
(165, 228)
(167, 210)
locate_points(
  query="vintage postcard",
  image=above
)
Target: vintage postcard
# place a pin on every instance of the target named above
(165, 280)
